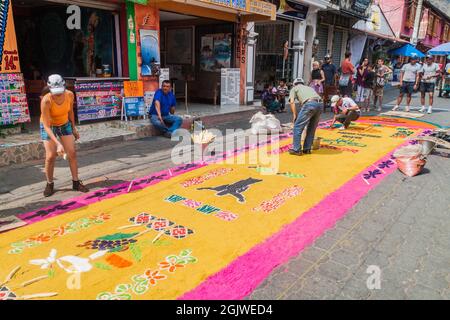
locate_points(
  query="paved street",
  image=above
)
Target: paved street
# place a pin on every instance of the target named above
(402, 226)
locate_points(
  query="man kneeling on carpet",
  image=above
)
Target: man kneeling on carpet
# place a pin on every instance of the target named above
(309, 116)
(345, 111)
(162, 112)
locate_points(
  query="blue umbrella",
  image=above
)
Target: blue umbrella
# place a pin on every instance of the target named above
(441, 50)
(407, 51)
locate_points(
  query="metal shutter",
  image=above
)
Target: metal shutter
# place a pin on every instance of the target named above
(337, 48)
(322, 36)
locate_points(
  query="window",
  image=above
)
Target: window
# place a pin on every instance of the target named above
(444, 34)
(410, 14)
(430, 25)
(437, 23)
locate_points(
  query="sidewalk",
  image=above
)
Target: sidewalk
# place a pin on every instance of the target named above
(23, 147)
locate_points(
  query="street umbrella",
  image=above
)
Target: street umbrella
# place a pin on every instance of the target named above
(441, 50)
(407, 51)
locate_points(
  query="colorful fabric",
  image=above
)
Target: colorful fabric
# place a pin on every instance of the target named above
(200, 231)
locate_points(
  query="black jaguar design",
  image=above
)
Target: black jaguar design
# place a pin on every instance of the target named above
(235, 189)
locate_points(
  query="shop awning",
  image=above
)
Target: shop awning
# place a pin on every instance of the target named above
(442, 50)
(407, 51)
(103, 4)
(383, 36)
(247, 10)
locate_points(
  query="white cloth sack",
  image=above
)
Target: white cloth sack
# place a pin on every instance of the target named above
(262, 123)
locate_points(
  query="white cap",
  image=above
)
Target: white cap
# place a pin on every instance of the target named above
(299, 81)
(334, 100)
(56, 84)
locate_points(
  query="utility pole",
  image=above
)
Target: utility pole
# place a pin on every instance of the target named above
(415, 35)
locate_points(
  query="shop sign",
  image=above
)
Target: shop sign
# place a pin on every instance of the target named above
(98, 100)
(13, 100)
(230, 87)
(134, 107)
(292, 9)
(262, 8)
(250, 6)
(241, 44)
(133, 88)
(9, 55)
(234, 4)
(164, 76)
(361, 5)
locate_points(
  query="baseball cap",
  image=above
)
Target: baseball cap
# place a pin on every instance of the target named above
(429, 56)
(327, 56)
(299, 81)
(414, 56)
(334, 100)
(56, 84)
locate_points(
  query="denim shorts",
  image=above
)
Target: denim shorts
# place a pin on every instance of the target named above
(58, 131)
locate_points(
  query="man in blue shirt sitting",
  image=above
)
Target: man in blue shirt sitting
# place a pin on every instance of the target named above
(162, 112)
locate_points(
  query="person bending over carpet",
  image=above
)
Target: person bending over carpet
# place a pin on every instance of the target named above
(58, 131)
(345, 111)
(308, 117)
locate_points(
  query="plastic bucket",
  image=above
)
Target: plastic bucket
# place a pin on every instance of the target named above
(316, 143)
(427, 146)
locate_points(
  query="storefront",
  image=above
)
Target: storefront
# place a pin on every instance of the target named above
(96, 45)
(198, 39)
(80, 42)
(195, 49)
(272, 62)
(284, 47)
(336, 34)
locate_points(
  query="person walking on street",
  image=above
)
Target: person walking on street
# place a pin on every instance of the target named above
(360, 77)
(382, 71)
(429, 74)
(346, 110)
(330, 72)
(346, 79)
(58, 132)
(409, 81)
(162, 112)
(317, 78)
(308, 116)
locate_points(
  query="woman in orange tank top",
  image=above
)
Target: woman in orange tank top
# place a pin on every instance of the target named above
(58, 121)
